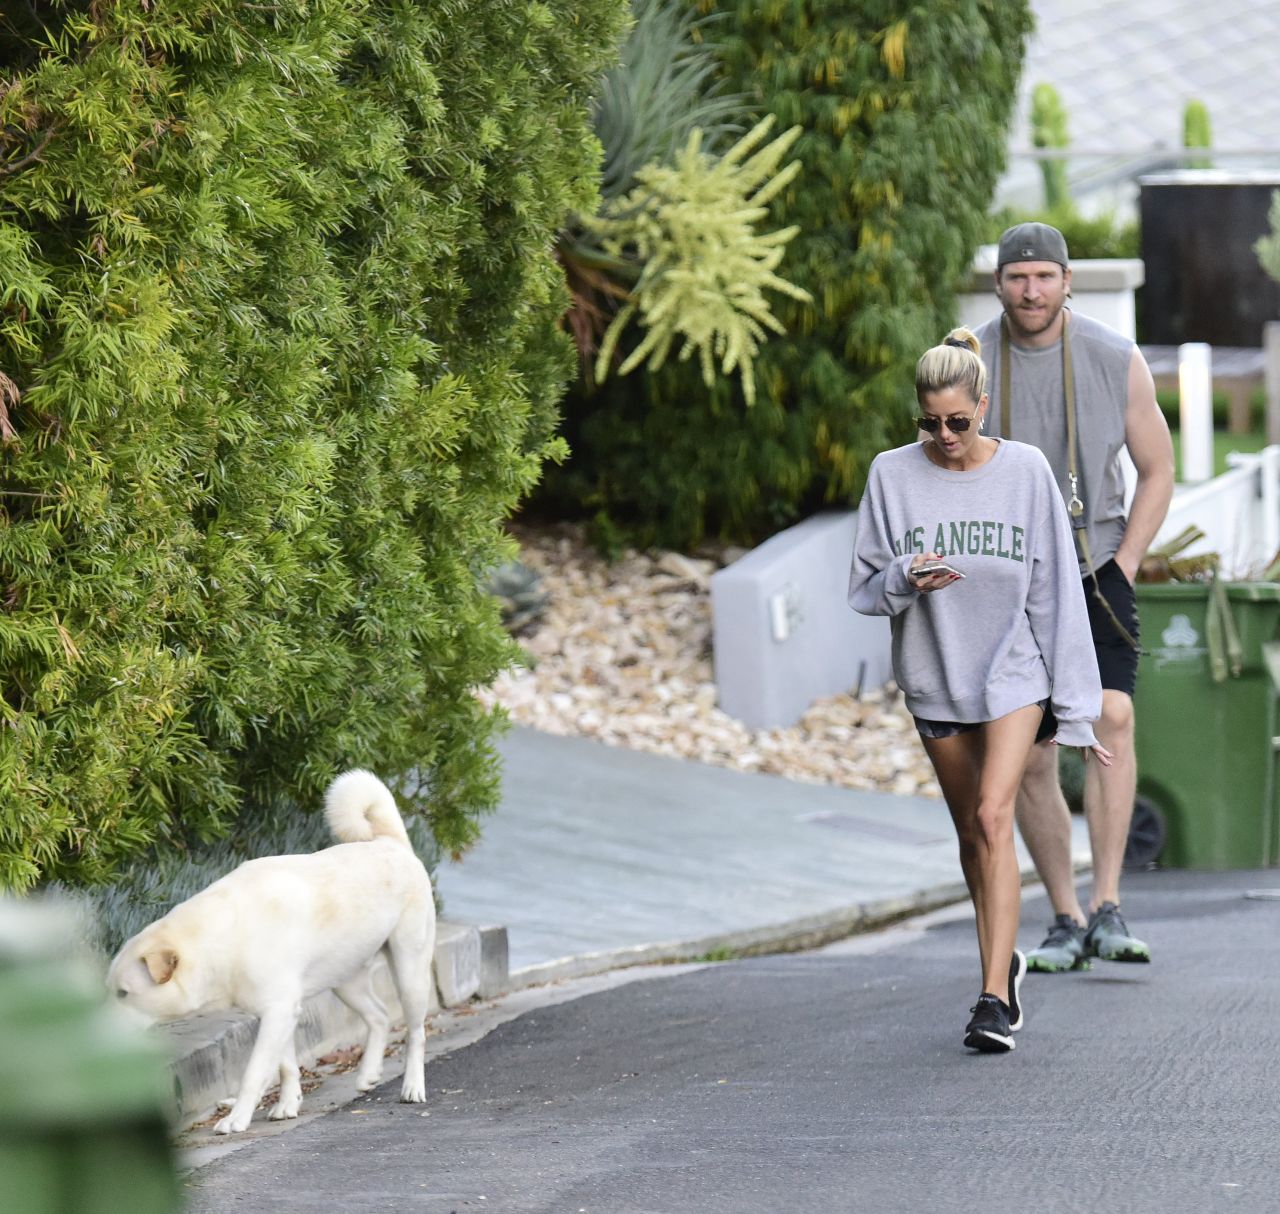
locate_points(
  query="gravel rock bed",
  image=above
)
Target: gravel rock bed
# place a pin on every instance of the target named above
(622, 654)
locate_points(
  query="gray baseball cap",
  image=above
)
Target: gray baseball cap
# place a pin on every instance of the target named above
(1032, 242)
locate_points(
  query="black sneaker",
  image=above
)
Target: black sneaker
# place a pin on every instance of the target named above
(1017, 971)
(1108, 937)
(988, 1031)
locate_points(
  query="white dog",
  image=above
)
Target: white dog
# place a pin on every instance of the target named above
(281, 928)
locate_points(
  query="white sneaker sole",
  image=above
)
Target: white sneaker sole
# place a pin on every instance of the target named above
(1019, 972)
(987, 1042)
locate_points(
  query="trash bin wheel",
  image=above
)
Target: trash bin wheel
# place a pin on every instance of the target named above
(1147, 833)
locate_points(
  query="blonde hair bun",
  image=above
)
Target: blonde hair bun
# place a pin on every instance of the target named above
(956, 362)
(961, 336)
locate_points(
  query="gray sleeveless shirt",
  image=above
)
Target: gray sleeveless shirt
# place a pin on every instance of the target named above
(1100, 361)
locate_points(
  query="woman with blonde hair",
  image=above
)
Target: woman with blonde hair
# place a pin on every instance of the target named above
(964, 542)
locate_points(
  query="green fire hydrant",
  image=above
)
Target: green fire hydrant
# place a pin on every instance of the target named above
(84, 1097)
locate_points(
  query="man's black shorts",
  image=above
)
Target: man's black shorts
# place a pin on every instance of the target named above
(1117, 659)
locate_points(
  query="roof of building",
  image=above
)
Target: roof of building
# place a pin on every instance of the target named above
(1126, 68)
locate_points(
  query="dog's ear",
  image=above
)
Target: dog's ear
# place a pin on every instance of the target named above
(161, 964)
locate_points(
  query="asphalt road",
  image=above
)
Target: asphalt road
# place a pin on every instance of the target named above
(836, 1081)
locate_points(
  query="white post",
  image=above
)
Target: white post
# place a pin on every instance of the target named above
(1271, 352)
(1269, 470)
(1195, 410)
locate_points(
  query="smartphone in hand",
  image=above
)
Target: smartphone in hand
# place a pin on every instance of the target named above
(930, 567)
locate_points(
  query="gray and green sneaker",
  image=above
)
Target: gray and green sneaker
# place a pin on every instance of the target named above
(1108, 937)
(1062, 949)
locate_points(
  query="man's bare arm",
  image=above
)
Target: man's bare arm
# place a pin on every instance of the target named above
(1146, 435)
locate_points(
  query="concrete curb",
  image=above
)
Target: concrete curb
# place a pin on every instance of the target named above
(793, 935)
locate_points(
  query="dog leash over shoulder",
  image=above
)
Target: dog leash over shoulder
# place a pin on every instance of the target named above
(1075, 507)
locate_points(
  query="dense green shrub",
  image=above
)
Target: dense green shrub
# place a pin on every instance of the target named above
(1087, 236)
(1170, 406)
(904, 108)
(277, 293)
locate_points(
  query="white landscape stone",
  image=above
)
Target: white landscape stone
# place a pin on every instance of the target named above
(623, 655)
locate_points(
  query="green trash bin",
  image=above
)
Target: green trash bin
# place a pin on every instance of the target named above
(1207, 723)
(84, 1097)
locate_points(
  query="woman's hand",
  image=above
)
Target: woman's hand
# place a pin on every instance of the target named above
(932, 581)
(1104, 756)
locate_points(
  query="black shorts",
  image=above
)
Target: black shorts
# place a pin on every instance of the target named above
(1117, 659)
(949, 729)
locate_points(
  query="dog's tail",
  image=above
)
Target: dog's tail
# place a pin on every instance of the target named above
(360, 807)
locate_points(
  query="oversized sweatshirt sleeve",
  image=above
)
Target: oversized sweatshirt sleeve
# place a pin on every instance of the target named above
(878, 582)
(1060, 622)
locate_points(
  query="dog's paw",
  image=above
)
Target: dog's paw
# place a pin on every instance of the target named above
(366, 1081)
(414, 1089)
(234, 1123)
(286, 1108)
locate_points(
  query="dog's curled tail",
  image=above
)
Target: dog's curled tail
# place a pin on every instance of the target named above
(359, 807)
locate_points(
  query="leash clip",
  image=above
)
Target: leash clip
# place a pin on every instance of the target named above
(1075, 505)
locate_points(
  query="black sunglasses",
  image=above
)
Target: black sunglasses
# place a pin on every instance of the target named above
(957, 425)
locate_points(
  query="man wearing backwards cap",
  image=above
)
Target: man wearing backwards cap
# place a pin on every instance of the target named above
(1033, 350)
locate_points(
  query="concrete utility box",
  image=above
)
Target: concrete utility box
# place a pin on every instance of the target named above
(784, 632)
(1204, 281)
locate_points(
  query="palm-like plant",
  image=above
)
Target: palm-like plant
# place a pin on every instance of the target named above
(664, 87)
(663, 99)
(703, 266)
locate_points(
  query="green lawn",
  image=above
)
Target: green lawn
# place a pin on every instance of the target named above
(1222, 444)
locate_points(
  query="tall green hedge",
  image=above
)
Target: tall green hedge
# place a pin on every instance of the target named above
(277, 294)
(905, 108)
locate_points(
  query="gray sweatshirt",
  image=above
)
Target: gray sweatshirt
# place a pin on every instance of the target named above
(1015, 630)
(1100, 357)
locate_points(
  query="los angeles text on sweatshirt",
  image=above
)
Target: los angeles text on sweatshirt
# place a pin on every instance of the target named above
(1015, 630)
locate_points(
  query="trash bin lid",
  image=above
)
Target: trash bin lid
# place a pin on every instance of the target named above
(1251, 592)
(1254, 592)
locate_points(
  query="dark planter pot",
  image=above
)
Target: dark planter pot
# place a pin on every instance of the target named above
(1203, 279)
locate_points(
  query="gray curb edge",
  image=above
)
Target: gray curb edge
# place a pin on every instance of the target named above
(790, 936)
(794, 935)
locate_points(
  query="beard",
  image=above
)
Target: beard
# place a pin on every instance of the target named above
(1033, 323)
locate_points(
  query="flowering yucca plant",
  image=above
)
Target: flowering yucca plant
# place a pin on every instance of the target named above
(703, 267)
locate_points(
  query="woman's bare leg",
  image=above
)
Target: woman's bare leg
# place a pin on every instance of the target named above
(979, 772)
